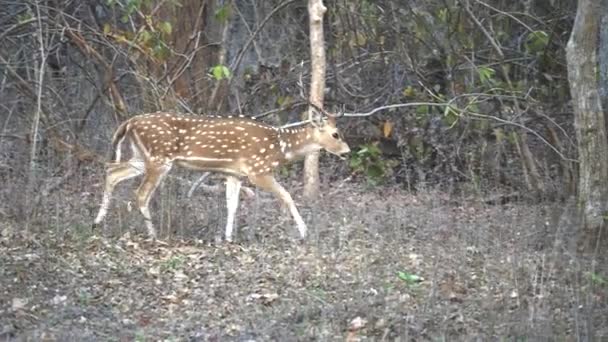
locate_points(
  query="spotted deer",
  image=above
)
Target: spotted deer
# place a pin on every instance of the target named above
(237, 147)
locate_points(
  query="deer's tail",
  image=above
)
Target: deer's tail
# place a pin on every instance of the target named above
(118, 138)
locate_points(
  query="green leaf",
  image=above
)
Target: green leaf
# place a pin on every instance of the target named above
(161, 51)
(486, 74)
(375, 171)
(355, 162)
(374, 150)
(165, 27)
(223, 13)
(536, 41)
(450, 115)
(226, 72)
(220, 72)
(597, 279)
(409, 277)
(422, 110)
(443, 15)
(364, 150)
(145, 36)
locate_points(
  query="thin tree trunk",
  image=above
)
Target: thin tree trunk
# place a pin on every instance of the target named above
(581, 54)
(316, 10)
(603, 59)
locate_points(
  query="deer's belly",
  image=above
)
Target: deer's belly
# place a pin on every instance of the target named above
(223, 165)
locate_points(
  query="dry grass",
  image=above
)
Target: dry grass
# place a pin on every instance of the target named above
(485, 271)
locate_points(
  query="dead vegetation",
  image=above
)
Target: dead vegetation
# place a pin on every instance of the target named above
(379, 265)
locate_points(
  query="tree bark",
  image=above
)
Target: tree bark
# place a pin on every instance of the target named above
(603, 59)
(582, 58)
(316, 10)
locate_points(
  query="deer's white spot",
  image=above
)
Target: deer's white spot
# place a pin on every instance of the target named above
(271, 146)
(274, 163)
(182, 131)
(216, 151)
(262, 150)
(198, 142)
(239, 128)
(265, 138)
(224, 146)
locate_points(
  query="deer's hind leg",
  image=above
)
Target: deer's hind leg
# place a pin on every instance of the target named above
(116, 173)
(155, 173)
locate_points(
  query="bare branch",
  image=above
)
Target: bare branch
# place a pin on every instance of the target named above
(398, 105)
(467, 7)
(239, 57)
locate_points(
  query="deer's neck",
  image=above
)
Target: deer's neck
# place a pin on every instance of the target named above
(296, 143)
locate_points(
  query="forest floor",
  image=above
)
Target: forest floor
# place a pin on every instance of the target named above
(378, 265)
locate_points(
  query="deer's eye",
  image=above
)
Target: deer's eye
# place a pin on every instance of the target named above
(335, 135)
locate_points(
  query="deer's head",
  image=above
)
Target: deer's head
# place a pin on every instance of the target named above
(326, 133)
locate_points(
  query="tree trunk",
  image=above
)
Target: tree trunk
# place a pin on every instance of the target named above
(603, 60)
(582, 58)
(316, 10)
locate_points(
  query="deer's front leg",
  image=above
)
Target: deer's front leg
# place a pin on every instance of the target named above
(233, 186)
(268, 183)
